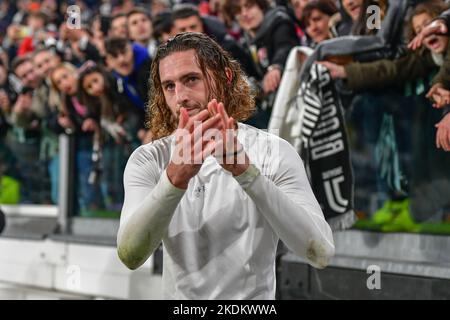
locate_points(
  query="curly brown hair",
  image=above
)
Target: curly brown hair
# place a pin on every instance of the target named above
(431, 7)
(213, 61)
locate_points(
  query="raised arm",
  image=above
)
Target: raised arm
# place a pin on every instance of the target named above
(382, 73)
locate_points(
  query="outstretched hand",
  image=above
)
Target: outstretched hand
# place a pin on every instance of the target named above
(271, 80)
(439, 95)
(443, 133)
(437, 27)
(336, 71)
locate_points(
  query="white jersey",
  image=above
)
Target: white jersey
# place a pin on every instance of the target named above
(222, 232)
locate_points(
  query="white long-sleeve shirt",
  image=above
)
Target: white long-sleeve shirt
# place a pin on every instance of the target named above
(220, 235)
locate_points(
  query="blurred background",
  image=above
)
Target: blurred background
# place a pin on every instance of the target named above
(73, 94)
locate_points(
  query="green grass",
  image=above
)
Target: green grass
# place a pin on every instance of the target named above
(106, 214)
(442, 228)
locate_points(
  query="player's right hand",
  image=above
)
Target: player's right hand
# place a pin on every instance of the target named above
(191, 149)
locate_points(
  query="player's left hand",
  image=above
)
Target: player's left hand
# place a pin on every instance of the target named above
(230, 152)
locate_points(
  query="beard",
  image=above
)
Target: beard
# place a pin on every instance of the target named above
(192, 108)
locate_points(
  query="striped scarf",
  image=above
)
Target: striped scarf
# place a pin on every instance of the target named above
(325, 148)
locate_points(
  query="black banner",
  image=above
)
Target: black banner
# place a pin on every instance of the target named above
(325, 148)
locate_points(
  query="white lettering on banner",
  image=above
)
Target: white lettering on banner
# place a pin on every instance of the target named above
(328, 111)
(326, 126)
(328, 146)
(324, 76)
(328, 122)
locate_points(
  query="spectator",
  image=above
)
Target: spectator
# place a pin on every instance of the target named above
(45, 60)
(29, 80)
(118, 26)
(438, 26)
(79, 46)
(6, 16)
(26, 133)
(295, 9)
(352, 17)
(316, 19)
(382, 73)
(45, 106)
(6, 92)
(269, 36)
(158, 6)
(14, 36)
(98, 88)
(124, 6)
(98, 34)
(341, 23)
(298, 7)
(5, 109)
(272, 33)
(130, 65)
(140, 29)
(22, 11)
(34, 31)
(82, 122)
(186, 18)
(50, 8)
(163, 28)
(360, 25)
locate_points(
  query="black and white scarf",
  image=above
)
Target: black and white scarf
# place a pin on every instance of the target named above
(325, 150)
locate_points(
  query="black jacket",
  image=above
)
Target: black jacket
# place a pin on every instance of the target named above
(84, 140)
(344, 26)
(139, 80)
(216, 29)
(134, 117)
(274, 39)
(139, 77)
(3, 125)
